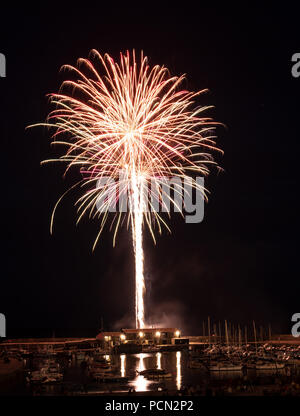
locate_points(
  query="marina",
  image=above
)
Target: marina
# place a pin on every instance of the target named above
(196, 369)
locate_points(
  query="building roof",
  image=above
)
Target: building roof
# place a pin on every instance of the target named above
(109, 334)
(24, 341)
(134, 331)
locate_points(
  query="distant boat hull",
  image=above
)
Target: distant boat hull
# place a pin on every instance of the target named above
(270, 366)
(226, 368)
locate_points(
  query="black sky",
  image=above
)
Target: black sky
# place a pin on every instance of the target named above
(241, 262)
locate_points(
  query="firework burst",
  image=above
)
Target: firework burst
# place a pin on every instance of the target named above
(130, 118)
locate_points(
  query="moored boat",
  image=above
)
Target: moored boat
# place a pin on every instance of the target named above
(50, 374)
(224, 366)
(154, 373)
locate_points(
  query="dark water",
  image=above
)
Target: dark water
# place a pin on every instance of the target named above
(175, 363)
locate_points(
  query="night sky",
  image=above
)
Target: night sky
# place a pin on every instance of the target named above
(241, 262)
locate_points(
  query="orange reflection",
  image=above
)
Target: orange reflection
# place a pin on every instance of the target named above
(140, 383)
(123, 365)
(158, 360)
(178, 370)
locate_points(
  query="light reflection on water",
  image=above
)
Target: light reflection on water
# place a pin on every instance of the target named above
(158, 360)
(126, 365)
(140, 383)
(123, 365)
(178, 370)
